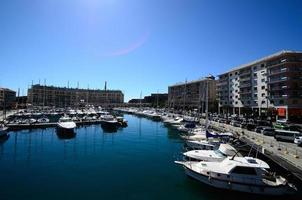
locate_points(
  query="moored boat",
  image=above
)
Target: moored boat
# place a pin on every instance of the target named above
(243, 174)
(65, 124)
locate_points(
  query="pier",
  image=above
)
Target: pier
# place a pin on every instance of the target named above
(14, 127)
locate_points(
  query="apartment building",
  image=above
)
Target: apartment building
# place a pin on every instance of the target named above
(192, 95)
(41, 95)
(272, 83)
(7, 98)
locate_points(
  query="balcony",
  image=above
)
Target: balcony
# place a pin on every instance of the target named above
(223, 83)
(278, 71)
(277, 80)
(245, 92)
(248, 78)
(280, 96)
(277, 88)
(245, 85)
(245, 73)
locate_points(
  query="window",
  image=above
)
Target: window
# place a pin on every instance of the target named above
(231, 74)
(236, 102)
(263, 87)
(255, 68)
(281, 102)
(244, 170)
(263, 102)
(263, 80)
(255, 74)
(255, 95)
(236, 73)
(263, 94)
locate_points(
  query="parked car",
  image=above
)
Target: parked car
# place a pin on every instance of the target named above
(235, 123)
(268, 131)
(222, 120)
(250, 127)
(298, 141)
(258, 129)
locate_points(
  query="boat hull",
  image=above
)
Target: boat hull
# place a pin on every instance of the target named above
(247, 188)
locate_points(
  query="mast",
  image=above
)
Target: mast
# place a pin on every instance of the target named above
(157, 100)
(17, 105)
(87, 97)
(207, 106)
(4, 105)
(44, 95)
(185, 92)
(140, 98)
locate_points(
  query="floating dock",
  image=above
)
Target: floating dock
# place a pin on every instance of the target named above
(14, 127)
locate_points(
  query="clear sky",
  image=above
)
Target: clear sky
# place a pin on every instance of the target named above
(138, 45)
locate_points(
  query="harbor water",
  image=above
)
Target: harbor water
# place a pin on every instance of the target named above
(136, 162)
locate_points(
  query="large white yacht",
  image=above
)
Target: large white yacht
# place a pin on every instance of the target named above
(217, 155)
(244, 174)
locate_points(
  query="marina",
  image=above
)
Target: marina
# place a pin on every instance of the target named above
(139, 100)
(93, 163)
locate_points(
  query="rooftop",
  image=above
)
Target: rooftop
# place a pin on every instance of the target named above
(261, 60)
(6, 89)
(193, 81)
(79, 89)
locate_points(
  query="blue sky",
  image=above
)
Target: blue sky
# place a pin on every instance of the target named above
(138, 45)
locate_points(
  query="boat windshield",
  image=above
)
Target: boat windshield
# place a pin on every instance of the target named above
(64, 120)
(219, 153)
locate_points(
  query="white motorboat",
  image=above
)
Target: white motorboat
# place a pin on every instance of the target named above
(217, 155)
(43, 120)
(3, 130)
(202, 144)
(244, 174)
(66, 124)
(108, 121)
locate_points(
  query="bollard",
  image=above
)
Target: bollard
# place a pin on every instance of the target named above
(296, 155)
(286, 152)
(279, 148)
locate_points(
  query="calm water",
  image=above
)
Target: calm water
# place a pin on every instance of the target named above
(134, 163)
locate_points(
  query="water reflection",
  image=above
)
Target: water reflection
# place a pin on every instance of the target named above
(3, 139)
(109, 129)
(173, 134)
(65, 134)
